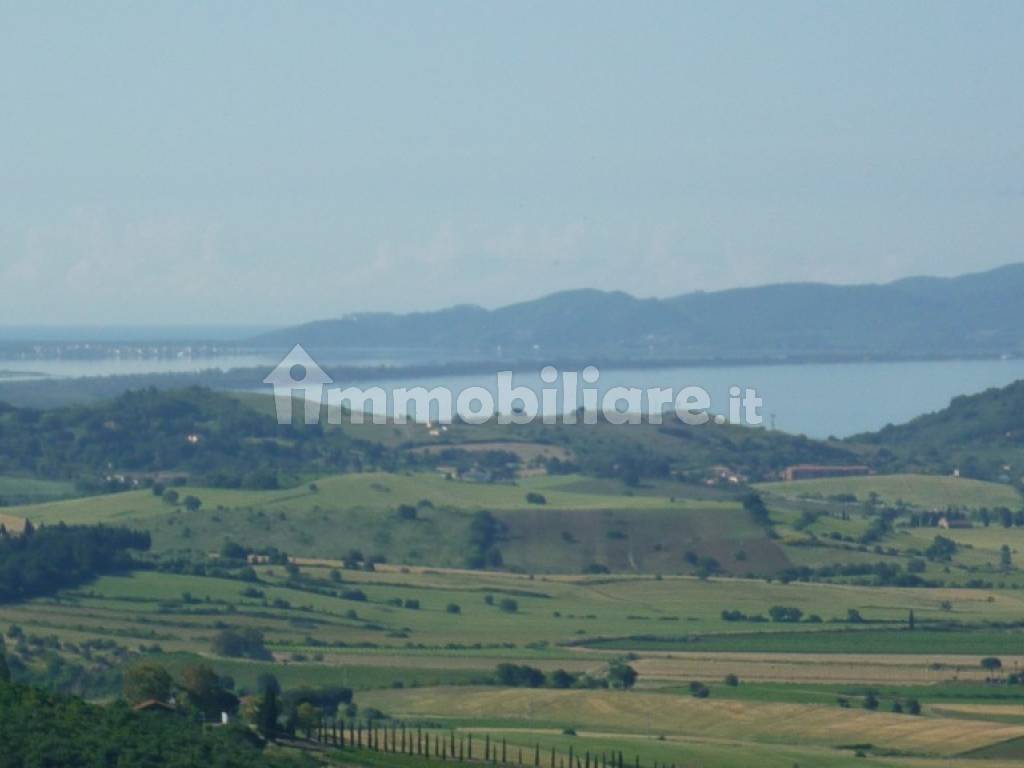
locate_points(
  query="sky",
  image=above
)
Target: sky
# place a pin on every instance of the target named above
(273, 163)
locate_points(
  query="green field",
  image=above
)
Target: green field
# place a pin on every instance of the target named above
(377, 491)
(582, 523)
(27, 490)
(440, 659)
(854, 641)
(925, 491)
(599, 572)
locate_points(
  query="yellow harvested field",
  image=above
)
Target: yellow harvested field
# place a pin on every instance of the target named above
(12, 523)
(640, 712)
(681, 666)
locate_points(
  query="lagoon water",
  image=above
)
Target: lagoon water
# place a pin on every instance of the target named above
(817, 399)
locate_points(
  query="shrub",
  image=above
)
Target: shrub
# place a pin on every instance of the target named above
(453, 608)
(562, 679)
(731, 680)
(621, 675)
(508, 605)
(785, 614)
(536, 498)
(699, 690)
(519, 676)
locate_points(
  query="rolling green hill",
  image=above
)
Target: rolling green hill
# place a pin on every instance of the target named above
(982, 435)
(581, 523)
(925, 491)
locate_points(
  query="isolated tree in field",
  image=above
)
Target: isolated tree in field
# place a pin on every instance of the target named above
(913, 707)
(941, 548)
(453, 608)
(192, 503)
(991, 663)
(910, 620)
(871, 702)
(247, 642)
(147, 682)
(699, 690)
(1005, 559)
(171, 496)
(621, 675)
(731, 680)
(508, 605)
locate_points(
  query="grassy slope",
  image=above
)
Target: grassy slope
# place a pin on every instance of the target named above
(927, 491)
(25, 490)
(584, 521)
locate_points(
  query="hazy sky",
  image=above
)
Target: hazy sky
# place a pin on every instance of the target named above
(261, 162)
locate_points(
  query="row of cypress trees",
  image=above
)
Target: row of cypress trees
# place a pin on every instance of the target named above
(396, 738)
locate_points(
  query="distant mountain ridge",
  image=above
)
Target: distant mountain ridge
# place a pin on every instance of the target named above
(978, 314)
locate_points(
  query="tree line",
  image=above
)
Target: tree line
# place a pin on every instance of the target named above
(45, 560)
